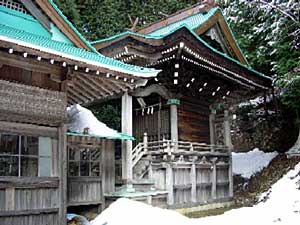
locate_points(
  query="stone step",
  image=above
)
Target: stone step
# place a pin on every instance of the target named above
(156, 198)
(143, 185)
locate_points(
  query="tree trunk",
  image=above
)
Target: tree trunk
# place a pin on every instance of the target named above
(295, 150)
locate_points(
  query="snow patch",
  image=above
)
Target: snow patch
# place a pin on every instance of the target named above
(248, 163)
(125, 211)
(81, 118)
(281, 208)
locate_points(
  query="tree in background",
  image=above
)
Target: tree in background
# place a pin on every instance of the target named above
(98, 19)
(269, 32)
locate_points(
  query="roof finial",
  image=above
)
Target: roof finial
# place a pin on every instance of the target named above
(208, 4)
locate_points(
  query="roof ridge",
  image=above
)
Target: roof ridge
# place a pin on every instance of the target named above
(193, 7)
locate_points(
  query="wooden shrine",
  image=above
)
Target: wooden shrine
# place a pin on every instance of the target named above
(46, 65)
(181, 118)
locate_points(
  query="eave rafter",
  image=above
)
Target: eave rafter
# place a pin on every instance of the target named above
(87, 83)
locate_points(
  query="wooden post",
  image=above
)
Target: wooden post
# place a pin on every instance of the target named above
(169, 184)
(212, 128)
(10, 198)
(194, 182)
(227, 130)
(126, 144)
(214, 179)
(62, 147)
(174, 122)
(107, 169)
(145, 142)
(228, 144)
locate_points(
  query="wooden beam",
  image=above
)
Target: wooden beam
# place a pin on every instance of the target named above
(154, 88)
(35, 12)
(62, 24)
(100, 86)
(28, 129)
(90, 87)
(30, 212)
(143, 54)
(118, 85)
(72, 99)
(29, 64)
(29, 182)
(84, 90)
(78, 96)
(109, 85)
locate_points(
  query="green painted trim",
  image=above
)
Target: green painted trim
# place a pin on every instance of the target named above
(17, 13)
(122, 136)
(88, 44)
(173, 101)
(21, 21)
(235, 39)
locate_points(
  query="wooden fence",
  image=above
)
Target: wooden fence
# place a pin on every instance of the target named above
(192, 173)
(31, 201)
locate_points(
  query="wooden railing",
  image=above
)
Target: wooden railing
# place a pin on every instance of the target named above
(170, 147)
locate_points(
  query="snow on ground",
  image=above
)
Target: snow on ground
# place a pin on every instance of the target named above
(81, 118)
(248, 163)
(282, 207)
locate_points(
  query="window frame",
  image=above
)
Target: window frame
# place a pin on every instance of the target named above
(22, 129)
(79, 161)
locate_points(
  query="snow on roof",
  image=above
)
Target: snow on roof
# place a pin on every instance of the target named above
(248, 163)
(81, 118)
(282, 207)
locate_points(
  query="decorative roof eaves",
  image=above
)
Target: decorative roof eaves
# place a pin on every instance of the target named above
(228, 57)
(96, 60)
(184, 26)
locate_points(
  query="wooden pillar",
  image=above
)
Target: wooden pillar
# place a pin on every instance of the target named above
(126, 144)
(193, 182)
(174, 122)
(214, 179)
(170, 184)
(227, 130)
(108, 165)
(212, 128)
(62, 151)
(228, 144)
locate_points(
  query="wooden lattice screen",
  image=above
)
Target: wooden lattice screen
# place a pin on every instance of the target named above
(13, 4)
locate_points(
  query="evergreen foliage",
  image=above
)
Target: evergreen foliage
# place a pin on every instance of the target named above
(98, 19)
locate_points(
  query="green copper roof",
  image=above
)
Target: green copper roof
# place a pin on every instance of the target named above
(22, 22)
(24, 30)
(71, 25)
(192, 22)
(122, 136)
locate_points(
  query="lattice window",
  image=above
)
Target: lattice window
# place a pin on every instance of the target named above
(14, 4)
(26, 156)
(84, 161)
